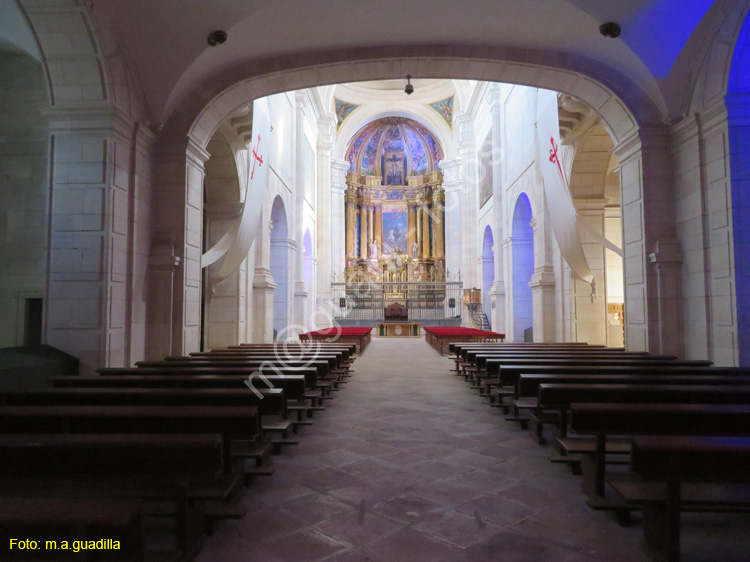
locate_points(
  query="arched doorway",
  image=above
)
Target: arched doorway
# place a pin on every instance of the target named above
(222, 316)
(595, 188)
(280, 268)
(488, 270)
(522, 250)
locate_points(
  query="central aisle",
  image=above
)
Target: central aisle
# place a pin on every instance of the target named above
(431, 472)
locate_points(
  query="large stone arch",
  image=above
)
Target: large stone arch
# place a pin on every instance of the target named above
(625, 111)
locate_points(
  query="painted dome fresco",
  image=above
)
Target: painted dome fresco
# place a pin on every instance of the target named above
(394, 147)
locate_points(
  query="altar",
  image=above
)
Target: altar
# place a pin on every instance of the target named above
(395, 229)
(398, 329)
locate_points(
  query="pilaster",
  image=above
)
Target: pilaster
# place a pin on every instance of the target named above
(90, 259)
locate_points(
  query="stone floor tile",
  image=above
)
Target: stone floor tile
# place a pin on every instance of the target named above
(457, 528)
(407, 545)
(314, 508)
(407, 509)
(348, 529)
(305, 544)
(498, 510)
(510, 546)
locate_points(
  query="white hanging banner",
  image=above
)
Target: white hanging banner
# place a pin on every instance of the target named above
(562, 212)
(234, 246)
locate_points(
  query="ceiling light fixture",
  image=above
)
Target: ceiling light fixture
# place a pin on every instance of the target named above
(217, 37)
(409, 89)
(610, 29)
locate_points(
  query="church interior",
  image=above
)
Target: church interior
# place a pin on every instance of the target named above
(331, 282)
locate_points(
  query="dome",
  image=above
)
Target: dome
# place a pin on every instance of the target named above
(393, 148)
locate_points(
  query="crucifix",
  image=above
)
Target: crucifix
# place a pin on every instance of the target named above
(257, 158)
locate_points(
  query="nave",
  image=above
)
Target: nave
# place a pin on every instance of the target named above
(433, 474)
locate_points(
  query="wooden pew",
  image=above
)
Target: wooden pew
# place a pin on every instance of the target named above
(50, 521)
(295, 386)
(495, 365)
(321, 367)
(308, 377)
(508, 376)
(350, 348)
(674, 474)
(360, 337)
(568, 358)
(336, 370)
(239, 427)
(272, 403)
(602, 420)
(456, 347)
(186, 470)
(560, 396)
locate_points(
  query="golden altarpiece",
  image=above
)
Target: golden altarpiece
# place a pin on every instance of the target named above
(395, 225)
(395, 234)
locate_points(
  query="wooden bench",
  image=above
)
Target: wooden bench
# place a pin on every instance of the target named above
(235, 424)
(300, 400)
(360, 337)
(674, 474)
(50, 521)
(272, 403)
(559, 397)
(186, 470)
(601, 421)
(510, 374)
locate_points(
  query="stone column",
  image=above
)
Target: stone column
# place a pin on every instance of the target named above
(162, 264)
(497, 292)
(370, 226)
(178, 220)
(330, 190)
(507, 266)
(363, 232)
(653, 310)
(264, 284)
(92, 180)
(418, 227)
(425, 212)
(338, 232)
(300, 289)
(470, 188)
(411, 225)
(542, 290)
(379, 226)
(351, 221)
(439, 224)
(453, 235)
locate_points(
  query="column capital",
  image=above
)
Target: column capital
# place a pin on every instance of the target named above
(93, 120)
(543, 277)
(340, 165)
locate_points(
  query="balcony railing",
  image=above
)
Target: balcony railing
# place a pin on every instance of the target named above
(424, 301)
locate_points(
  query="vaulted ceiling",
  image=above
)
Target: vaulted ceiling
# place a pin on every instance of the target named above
(164, 41)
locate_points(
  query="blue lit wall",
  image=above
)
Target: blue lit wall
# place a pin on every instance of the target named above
(738, 109)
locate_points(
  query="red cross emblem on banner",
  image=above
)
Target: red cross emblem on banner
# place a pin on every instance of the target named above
(554, 158)
(257, 158)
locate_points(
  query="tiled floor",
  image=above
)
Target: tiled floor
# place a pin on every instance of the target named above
(407, 464)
